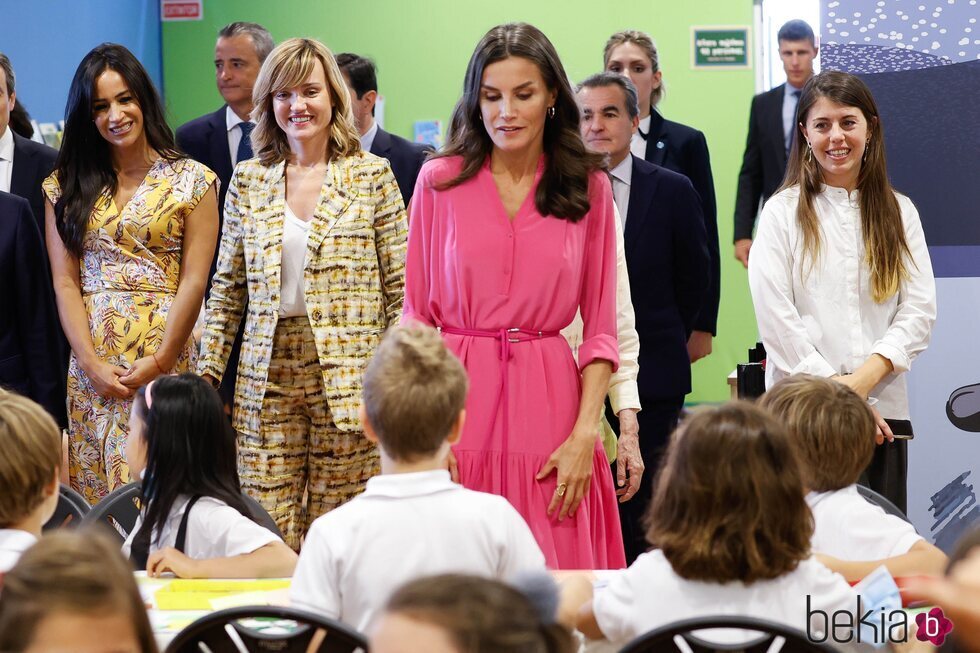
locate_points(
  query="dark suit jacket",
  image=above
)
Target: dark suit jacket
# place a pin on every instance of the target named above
(30, 353)
(205, 140)
(32, 163)
(764, 161)
(667, 258)
(406, 159)
(684, 150)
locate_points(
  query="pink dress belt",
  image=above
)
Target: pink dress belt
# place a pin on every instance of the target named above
(505, 338)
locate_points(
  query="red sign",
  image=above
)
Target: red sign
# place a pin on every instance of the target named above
(182, 10)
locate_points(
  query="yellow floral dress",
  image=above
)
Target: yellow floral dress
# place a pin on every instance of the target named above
(129, 272)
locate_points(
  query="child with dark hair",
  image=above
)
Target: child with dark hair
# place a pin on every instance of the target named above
(834, 431)
(195, 522)
(731, 531)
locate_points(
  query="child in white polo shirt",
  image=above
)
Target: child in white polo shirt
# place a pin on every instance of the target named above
(29, 469)
(412, 520)
(835, 432)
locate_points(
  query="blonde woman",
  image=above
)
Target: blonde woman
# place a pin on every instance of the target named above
(840, 272)
(314, 244)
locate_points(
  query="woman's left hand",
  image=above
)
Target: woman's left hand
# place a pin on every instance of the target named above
(172, 560)
(573, 462)
(142, 372)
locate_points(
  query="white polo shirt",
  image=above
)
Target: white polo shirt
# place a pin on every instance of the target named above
(850, 528)
(650, 594)
(214, 530)
(13, 543)
(403, 527)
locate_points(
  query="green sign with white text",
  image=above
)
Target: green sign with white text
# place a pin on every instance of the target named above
(726, 47)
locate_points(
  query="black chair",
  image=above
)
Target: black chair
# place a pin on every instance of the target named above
(873, 497)
(120, 508)
(72, 508)
(117, 511)
(669, 637)
(267, 628)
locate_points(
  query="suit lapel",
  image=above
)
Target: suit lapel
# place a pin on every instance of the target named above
(219, 144)
(381, 144)
(657, 136)
(334, 200)
(270, 200)
(776, 118)
(641, 194)
(23, 170)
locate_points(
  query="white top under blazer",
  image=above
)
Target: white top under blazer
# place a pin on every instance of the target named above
(822, 320)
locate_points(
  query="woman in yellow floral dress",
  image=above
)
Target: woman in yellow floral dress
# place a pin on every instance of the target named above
(131, 228)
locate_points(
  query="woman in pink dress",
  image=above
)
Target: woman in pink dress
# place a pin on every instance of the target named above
(511, 232)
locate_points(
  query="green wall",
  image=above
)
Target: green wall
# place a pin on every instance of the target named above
(421, 48)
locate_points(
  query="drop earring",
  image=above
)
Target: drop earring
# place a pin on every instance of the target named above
(551, 111)
(809, 152)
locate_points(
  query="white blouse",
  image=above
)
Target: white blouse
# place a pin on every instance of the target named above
(822, 320)
(295, 233)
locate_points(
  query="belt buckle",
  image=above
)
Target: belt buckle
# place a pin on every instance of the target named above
(513, 330)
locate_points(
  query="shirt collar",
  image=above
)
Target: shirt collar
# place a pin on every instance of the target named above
(645, 124)
(624, 171)
(840, 195)
(13, 539)
(367, 140)
(7, 145)
(412, 484)
(231, 119)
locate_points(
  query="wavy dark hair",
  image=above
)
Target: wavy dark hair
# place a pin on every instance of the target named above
(886, 250)
(564, 188)
(84, 163)
(190, 448)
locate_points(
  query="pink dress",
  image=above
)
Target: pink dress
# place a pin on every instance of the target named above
(478, 275)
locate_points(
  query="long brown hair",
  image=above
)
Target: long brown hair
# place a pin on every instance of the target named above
(885, 247)
(564, 188)
(76, 572)
(729, 503)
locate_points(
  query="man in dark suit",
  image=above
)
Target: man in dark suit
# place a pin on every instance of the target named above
(772, 126)
(23, 163)
(221, 139)
(668, 261)
(405, 157)
(30, 361)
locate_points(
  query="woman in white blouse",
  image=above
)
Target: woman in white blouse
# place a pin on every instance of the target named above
(840, 273)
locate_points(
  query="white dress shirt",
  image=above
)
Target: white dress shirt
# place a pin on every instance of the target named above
(214, 530)
(295, 234)
(622, 178)
(403, 527)
(367, 140)
(822, 319)
(638, 144)
(623, 391)
(6, 159)
(850, 528)
(13, 543)
(650, 594)
(232, 122)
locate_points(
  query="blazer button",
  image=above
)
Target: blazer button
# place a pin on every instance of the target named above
(317, 315)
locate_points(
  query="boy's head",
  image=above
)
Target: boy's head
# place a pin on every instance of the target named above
(414, 393)
(833, 426)
(31, 445)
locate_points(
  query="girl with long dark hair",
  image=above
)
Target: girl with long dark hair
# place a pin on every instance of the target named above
(511, 232)
(131, 227)
(840, 272)
(195, 521)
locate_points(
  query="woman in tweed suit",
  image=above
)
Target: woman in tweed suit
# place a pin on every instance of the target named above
(314, 245)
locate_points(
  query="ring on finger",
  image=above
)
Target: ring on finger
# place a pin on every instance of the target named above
(560, 490)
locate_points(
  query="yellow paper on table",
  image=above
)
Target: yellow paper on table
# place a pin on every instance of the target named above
(199, 594)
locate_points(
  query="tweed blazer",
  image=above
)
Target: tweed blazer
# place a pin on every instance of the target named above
(354, 279)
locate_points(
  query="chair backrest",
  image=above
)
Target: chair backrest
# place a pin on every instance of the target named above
(72, 507)
(671, 637)
(267, 628)
(117, 511)
(873, 497)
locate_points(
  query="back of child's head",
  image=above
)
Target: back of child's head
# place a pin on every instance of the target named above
(80, 574)
(831, 427)
(729, 502)
(414, 391)
(190, 445)
(481, 615)
(31, 445)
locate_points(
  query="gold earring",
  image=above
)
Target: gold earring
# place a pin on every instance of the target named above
(809, 151)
